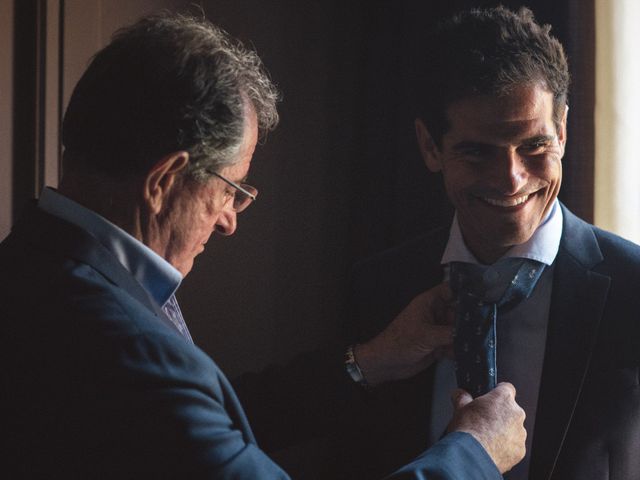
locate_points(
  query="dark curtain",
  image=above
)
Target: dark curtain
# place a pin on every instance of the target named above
(342, 178)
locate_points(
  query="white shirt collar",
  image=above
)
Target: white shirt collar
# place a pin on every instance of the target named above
(158, 277)
(542, 246)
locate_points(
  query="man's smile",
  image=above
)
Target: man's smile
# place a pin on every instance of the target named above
(507, 202)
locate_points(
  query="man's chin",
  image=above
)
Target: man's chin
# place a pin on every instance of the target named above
(184, 267)
(511, 239)
(497, 241)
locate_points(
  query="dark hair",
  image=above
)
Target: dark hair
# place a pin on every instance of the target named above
(166, 83)
(488, 51)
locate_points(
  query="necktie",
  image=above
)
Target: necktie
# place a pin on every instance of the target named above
(475, 328)
(172, 310)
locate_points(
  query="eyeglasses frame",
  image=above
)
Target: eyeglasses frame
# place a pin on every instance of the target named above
(237, 187)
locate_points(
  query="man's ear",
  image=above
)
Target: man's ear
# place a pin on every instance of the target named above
(161, 178)
(428, 148)
(562, 133)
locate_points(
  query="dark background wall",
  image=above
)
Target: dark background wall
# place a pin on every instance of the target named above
(340, 179)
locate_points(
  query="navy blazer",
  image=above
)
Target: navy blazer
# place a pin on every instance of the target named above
(588, 418)
(96, 382)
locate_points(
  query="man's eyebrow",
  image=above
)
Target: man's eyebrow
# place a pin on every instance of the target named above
(469, 145)
(539, 139)
(472, 145)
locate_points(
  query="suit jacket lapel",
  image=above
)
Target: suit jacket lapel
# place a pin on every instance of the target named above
(56, 235)
(577, 303)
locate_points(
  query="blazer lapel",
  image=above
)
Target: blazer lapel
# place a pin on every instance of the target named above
(577, 303)
(55, 235)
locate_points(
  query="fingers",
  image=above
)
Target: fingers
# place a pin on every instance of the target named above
(443, 313)
(495, 420)
(440, 335)
(507, 388)
(460, 398)
(438, 305)
(444, 351)
(442, 292)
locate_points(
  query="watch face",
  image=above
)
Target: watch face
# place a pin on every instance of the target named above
(352, 367)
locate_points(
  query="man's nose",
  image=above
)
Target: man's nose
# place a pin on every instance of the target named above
(227, 221)
(511, 172)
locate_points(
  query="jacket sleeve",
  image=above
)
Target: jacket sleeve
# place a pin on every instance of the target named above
(309, 397)
(456, 456)
(170, 413)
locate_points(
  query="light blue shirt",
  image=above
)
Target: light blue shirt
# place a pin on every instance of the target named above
(542, 246)
(157, 276)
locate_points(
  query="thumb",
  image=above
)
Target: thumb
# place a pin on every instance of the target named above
(460, 398)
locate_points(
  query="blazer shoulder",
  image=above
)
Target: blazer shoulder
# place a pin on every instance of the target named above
(596, 248)
(616, 249)
(620, 328)
(425, 249)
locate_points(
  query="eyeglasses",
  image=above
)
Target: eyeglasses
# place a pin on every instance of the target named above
(244, 194)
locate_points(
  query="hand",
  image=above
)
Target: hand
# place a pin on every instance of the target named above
(495, 420)
(421, 333)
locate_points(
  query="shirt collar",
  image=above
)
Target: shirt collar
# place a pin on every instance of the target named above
(542, 246)
(157, 276)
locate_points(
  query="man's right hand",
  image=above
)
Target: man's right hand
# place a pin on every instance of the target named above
(413, 340)
(495, 420)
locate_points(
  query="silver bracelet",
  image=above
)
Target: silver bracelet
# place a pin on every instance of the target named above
(353, 369)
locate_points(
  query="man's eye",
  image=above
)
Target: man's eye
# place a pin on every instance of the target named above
(473, 152)
(473, 155)
(228, 193)
(533, 148)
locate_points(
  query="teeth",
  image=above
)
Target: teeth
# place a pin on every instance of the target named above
(511, 202)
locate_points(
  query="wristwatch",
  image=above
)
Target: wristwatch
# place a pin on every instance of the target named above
(352, 367)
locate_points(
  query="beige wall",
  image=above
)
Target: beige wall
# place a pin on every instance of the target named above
(89, 25)
(617, 169)
(6, 90)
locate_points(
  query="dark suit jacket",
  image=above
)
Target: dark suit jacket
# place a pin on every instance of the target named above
(588, 418)
(96, 383)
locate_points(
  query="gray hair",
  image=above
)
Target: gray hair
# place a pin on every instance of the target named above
(166, 83)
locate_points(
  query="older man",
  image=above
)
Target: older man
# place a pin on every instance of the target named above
(545, 300)
(100, 376)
